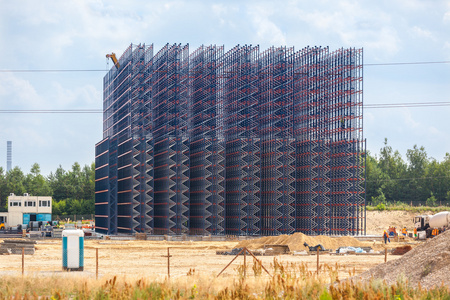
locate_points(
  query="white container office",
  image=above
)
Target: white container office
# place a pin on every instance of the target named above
(73, 249)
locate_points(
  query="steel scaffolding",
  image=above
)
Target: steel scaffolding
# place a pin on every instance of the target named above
(241, 142)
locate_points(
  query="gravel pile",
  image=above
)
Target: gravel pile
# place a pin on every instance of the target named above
(427, 264)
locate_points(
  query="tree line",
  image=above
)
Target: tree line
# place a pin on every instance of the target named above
(419, 179)
(72, 191)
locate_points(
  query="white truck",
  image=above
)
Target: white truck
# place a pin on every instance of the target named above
(426, 223)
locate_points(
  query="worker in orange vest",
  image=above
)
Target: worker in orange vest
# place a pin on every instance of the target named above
(385, 237)
(404, 232)
(434, 232)
(415, 233)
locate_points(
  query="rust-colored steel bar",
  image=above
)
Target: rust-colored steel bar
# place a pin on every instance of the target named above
(258, 262)
(23, 260)
(317, 261)
(231, 261)
(385, 254)
(245, 263)
(96, 263)
(168, 262)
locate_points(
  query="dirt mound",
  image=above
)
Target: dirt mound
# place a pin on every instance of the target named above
(427, 264)
(296, 240)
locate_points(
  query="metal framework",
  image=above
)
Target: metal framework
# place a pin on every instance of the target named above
(241, 142)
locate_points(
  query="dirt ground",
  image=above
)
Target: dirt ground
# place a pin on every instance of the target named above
(378, 221)
(149, 258)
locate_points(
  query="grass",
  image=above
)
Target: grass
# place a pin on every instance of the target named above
(289, 281)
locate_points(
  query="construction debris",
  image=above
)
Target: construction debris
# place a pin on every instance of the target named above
(235, 251)
(14, 246)
(276, 249)
(141, 236)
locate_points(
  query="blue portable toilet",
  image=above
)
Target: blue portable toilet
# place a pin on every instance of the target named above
(73, 249)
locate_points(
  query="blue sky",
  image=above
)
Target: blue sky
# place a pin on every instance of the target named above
(43, 35)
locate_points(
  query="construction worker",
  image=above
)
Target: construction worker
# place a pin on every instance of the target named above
(434, 232)
(415, 233)
(385, 237)
(404, 232)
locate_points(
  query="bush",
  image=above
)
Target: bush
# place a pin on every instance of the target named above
(381, 198)
(432, 201)
(381, 207)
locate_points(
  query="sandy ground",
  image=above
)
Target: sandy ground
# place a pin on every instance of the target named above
(148, 258)
(378, 221)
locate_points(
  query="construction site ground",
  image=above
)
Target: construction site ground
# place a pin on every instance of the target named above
(135, 258)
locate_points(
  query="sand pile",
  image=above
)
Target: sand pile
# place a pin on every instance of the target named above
(296, 240)
(428, 263)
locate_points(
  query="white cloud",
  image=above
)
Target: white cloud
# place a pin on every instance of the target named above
(266, 29)
(86, 96)
(431, 130)
(409, 121)
(446, 18)
(422, 33)
(17, 92)
(348, 24)
(224, 13)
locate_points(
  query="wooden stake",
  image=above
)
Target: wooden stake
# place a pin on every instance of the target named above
(385, 254)
(168, 262)
(23, 261)
(96, 263)
(317, 261)
(245, 264)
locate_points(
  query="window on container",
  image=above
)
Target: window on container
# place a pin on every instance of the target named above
(34, 203)
(48, 203)
(30, 203)
(40, 203)
(25, 203)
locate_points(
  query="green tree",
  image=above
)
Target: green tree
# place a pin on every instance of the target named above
(88, 206)
(431, 201)
(59, 183)
(36, 184)
(380, 199)
(3, 191)
(59, 207)
(416, 172)
(76, 182)
(88, 187)
(15, 180)
(393, 169)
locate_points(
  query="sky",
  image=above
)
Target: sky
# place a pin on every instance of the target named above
(77, 34)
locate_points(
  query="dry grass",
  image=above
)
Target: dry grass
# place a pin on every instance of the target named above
(289, 281)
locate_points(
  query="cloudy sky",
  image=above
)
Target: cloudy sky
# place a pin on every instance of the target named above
(76, 35)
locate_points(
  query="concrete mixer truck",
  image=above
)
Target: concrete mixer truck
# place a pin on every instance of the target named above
(426, 223)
